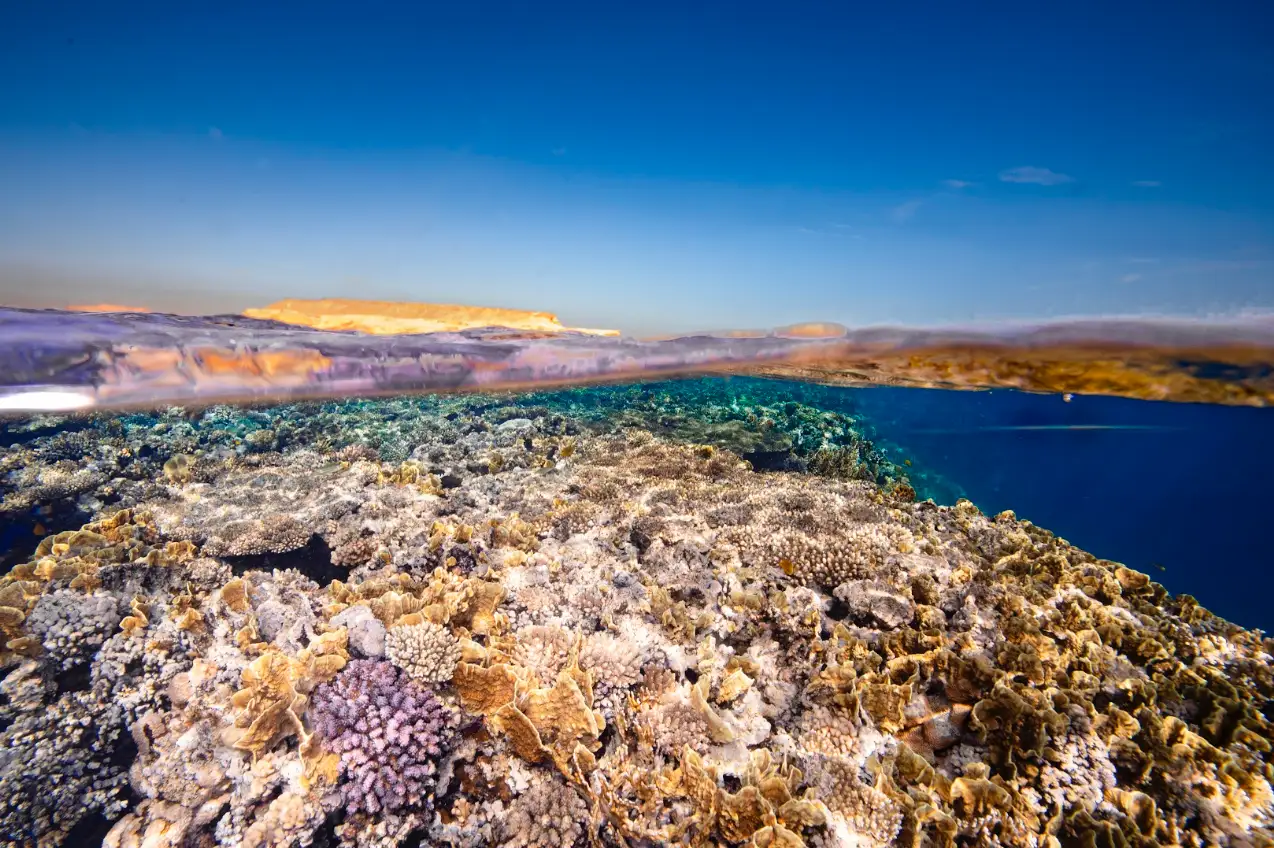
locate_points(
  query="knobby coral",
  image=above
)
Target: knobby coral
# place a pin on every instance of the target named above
(72, 625)
(548, 815)
(426, 651)
(389, 732)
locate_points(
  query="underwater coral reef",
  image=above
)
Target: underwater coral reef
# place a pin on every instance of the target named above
(652, 616)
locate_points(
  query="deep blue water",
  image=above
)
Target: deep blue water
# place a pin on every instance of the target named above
(1186, 499)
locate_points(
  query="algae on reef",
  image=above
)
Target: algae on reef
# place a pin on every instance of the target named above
(584, 618)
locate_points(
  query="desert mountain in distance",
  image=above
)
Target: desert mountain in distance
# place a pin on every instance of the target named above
(383, 317)
(105, 307)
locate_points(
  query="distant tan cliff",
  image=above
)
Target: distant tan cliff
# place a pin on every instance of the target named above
(105, 307)
(383, 317)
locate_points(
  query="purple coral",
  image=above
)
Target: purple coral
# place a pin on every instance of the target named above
(389, 731)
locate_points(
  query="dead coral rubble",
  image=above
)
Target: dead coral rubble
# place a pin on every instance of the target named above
(547, 638)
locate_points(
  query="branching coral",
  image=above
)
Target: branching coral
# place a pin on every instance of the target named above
(543, 649)
(44, 485)
(72, 625)
(829, 561)
(613, 660)
(866, 812)
(675, 725)
(547, 815)
(59, 764)
(389, 731)
(828, 731)
(356, 551)
(275, 534)
(428, 652)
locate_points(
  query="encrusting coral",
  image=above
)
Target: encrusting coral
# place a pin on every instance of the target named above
(645, 616)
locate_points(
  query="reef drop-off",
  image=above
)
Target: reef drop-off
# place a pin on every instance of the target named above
(503, 621)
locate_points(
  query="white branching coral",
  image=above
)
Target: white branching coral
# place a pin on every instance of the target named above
(72, 625)
(543, 649)
(869, 816)
(676, 724)
(856, 553)
(828, 731)
(428, 652)
(538, 602)
(549, 814)
(612, 660)
(274, 534)
(1083, 773)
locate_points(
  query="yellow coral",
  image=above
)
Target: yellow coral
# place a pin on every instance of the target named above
(269, 706)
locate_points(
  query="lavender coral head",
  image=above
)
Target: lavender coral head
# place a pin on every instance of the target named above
(387, 729)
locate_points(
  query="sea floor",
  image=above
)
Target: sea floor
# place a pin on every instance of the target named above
(635, 616)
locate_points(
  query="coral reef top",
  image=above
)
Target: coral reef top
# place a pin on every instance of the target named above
(384, 318)
(568, 622)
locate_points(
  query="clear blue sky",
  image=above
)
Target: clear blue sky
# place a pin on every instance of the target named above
(652, 166)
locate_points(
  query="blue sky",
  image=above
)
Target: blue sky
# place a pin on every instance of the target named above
(655, 167)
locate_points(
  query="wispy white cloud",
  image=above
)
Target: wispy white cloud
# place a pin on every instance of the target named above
(1147, 183)
(1035, 176)
(906, 211)
(1156, 269)
(1211, 266)
(957, 184)
(1143, 260)
(833, 230)
(215, 133)
(559, 151)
